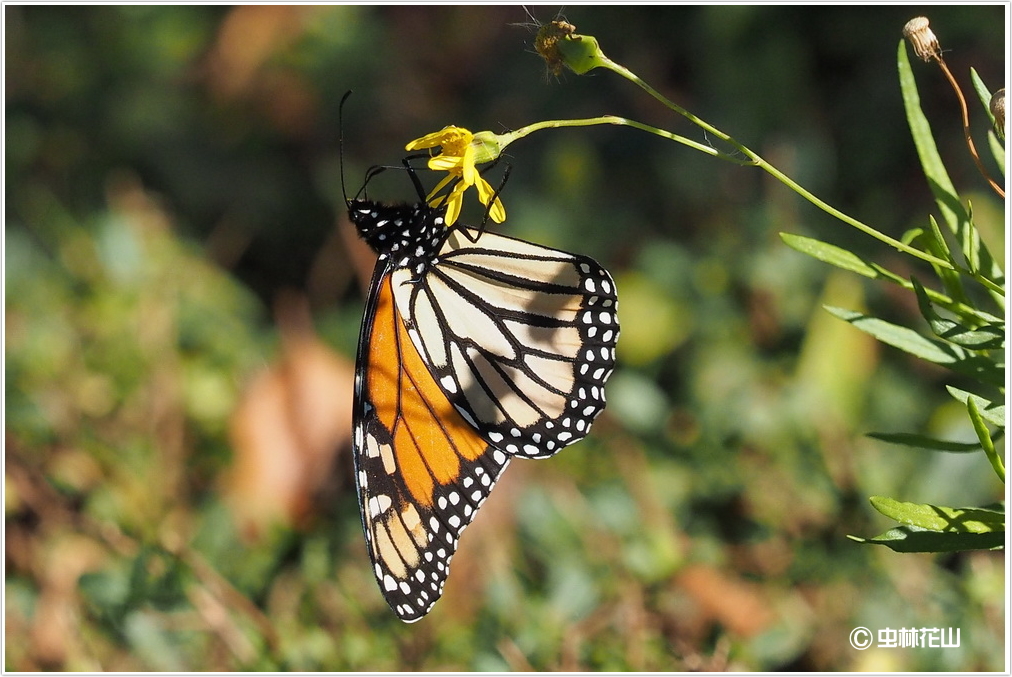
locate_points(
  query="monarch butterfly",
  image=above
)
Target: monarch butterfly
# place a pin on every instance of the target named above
(474, 348)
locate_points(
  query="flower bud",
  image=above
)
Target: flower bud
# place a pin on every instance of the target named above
(559, 45)
(997, 107)
(546, 43)
(581, 53)
(922, 38)
(487, 147)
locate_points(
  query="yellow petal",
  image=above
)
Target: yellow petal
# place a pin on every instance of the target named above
(467, 164)
(448, 133)
(453, 204)
(439, 187)
(445, 163)
(485, 192)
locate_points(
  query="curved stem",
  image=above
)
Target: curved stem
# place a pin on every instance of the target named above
(966, 129)
(757, 160)
(510, 137)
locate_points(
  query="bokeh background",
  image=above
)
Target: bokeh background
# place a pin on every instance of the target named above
(183, 295)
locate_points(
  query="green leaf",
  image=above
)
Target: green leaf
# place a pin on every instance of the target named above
(951, 279)
(900, 337)
(997, 150)
(836, 256)
(979, 260)
(982, 93)
(937, 244)
(924, 442)
(984, 435)
(910, 341)
(986, 337)
(846, 260)
(971, 244)
(911, 539)
(934, 169)
(993, 412)
(941, 518)
(911, 235)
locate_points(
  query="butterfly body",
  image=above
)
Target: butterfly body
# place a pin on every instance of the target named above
(411, 234)
(475, 348)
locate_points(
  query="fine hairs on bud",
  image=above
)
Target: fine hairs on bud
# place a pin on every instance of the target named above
(546, 44)
(922, 38)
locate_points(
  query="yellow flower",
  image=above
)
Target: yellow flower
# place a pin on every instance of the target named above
(460, 152)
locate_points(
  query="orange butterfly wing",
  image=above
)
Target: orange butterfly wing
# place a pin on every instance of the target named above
(422, 470)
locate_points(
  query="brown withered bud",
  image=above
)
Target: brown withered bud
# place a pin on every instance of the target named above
(997, 107)
(546, 43)
(922, 38)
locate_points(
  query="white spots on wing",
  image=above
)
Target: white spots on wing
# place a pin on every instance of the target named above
(378, 505)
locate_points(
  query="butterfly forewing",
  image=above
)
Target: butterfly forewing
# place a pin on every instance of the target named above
(421, 470)
(520, 337)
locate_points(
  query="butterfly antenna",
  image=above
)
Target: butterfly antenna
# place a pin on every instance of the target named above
(495, 195)
(414, 175)
(340, 141)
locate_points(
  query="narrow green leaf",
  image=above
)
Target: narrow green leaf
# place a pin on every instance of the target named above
(982, 93)
(986, 337)
(993, 412)
(925, 442)
(984, 435)
(911, 539)
(934, 169)
(831, 254)
(979, 260)
(911, 235)
(951, 279)
(941, 518)
(997, 150)
(841, 258)
(847, 260)
(908, 340)
(903, 338)
(937, 244)
(970, 243)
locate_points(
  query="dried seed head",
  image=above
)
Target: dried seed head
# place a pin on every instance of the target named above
(997, 107)
(922, 38)
(547, 41)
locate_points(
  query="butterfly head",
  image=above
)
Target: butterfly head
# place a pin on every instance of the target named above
(412, 233)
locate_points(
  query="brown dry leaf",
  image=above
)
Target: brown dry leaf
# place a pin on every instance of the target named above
(249, 36)
(288, 428)
(54, 626)
(240, 63)
(738, 605)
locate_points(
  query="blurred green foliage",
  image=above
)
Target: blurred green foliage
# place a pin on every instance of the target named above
(969, 339)
(172, 174)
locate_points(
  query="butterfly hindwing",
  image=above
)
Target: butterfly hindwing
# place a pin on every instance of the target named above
(421, 470)
(520, 337)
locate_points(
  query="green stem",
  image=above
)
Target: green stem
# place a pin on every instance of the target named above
(757, 160)
(510, 137)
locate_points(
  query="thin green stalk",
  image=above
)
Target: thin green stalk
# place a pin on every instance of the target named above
(615, 120)
(757, 160)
